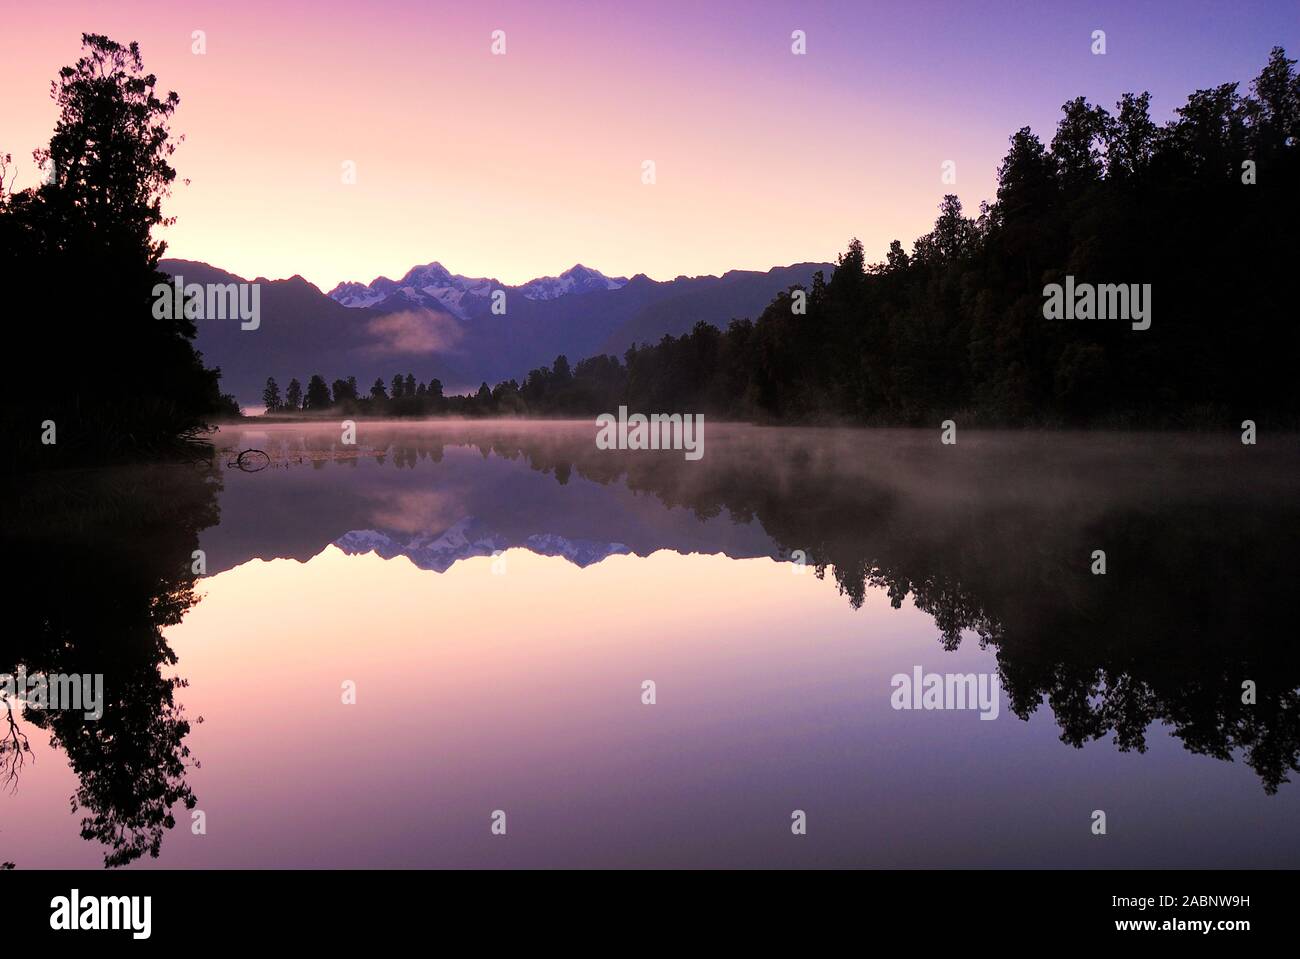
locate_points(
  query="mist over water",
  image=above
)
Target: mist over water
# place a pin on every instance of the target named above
(499, 592)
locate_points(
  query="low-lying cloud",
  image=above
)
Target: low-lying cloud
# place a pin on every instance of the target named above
(417, 331)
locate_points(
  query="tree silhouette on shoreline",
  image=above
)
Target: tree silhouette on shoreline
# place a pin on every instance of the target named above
(83, 244)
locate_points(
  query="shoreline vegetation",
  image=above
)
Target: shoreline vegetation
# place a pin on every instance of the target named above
(1200, 212)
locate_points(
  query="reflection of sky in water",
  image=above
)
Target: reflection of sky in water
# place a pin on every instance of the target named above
(522, 691)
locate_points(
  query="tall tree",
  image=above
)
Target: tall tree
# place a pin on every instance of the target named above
(1274, 111)
(1130, 136)
(1077, 146)
(318, 393)
(109, 171)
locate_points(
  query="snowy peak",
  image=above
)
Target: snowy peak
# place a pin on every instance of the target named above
(431, 286)
(430, 274)
(576, 279)
(356, 295)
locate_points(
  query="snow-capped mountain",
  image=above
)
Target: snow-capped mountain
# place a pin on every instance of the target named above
(469, 537)
(435, 287)
(432, 286)
(356, 295)
(576, 279)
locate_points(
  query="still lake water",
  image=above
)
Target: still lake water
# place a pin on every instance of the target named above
(499, 592)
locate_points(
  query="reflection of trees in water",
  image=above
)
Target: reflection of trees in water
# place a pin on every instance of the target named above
(995, 544)
(1192, 606)
(1194, 602)
(103, 565)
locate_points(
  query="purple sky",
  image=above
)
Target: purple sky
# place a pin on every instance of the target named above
(522, 164)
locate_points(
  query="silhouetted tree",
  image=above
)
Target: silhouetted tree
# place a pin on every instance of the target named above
(271, 395)
(1131, 137)
(110, 170)
(342, 391)
(318, 393)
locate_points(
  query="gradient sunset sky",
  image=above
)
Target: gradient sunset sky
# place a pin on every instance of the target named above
(521, 165)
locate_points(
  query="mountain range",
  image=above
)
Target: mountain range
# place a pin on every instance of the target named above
(436, 287)
(435, 323)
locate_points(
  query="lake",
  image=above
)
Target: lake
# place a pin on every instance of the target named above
(488, 644)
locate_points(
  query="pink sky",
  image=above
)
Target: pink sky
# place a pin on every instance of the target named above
(521, 165)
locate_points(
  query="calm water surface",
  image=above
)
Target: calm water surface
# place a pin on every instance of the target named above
(499, 592)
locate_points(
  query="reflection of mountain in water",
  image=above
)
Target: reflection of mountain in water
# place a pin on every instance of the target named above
(992, 537)
(467, 538)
